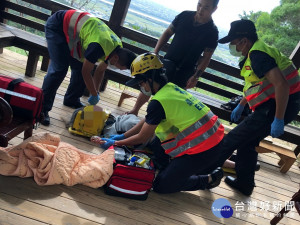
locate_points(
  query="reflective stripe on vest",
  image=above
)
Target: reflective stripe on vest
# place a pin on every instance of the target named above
(73, 33)
(173, 150)
(264, 90)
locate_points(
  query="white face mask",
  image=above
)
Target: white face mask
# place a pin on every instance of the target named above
(147, 93)
(233, 51)
(111, 66)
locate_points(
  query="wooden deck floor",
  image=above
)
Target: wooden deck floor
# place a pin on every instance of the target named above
(22, 201)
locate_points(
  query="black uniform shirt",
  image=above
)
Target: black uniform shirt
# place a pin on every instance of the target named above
(155, 113)
(190, 40)
(261, 63)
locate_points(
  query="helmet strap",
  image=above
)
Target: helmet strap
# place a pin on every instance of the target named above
(152, 80)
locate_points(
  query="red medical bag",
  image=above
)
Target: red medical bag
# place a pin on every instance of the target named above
(131, 181)
(25, 99)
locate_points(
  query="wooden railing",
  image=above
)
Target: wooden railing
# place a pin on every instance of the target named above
(116, 22)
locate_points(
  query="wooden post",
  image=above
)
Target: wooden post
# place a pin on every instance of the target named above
(118, 15)
(32, 62)
(45, 63)
(116, 20)
(295, 56)
(2, 20)
(103, 85)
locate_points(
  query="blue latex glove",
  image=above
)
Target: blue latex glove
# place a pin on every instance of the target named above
(277, 127)
(108, 143)
(93, 100)
(236, 113)
(117, 137)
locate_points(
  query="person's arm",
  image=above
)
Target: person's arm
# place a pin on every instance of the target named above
(243, 102)
(145, 134)
(93, 52)
(265, 66)
(135, 130)
(164, 38)
(87, 77)
(145, 129)
(201, 66)
(99, 74)
(281, 91)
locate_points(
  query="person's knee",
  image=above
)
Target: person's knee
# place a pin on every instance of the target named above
(161, 187)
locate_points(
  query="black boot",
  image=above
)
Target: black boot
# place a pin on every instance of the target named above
(233, 158)
(243, 188)
(45, 119)
(216, 177)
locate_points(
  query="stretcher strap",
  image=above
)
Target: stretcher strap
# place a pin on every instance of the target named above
(11, 87)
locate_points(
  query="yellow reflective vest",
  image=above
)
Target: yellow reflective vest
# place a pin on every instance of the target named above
(259, 90)
(190, 127)
(81, 29)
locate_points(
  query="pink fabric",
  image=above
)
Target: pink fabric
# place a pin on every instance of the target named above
(51, 161)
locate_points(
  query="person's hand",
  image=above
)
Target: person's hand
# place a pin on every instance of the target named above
(236, 113)
(108, 143)
(277, 127)
(192, 82)
(117, 137)
(97, 140)
(93, 100)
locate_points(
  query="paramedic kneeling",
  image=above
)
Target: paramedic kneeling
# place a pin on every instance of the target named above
(272, 90)
(188, 131)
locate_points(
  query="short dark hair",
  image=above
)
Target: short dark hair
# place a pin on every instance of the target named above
(126, 57)
(215, 3)
(253, 38)
(157, 75)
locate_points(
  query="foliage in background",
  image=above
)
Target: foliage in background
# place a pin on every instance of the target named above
(281, 27)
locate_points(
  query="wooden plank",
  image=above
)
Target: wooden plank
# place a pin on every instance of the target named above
(223, 81)
(138, 37)
(35, 212)
(135, 49)
(118, 15)
(27, 40)
(45, 63)
(7, 217)
(224, 68)
(23, 21)
(93, 207)
(26, 10)
(2, 8)
(6, 36)
(32, 61)
(295, 56)
(215, 90)
(49, 4)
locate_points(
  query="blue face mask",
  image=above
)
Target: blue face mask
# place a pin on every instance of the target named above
(147, 93)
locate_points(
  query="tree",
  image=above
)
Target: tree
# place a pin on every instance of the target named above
(280, 28)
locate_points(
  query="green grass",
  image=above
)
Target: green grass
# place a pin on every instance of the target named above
(18, 50)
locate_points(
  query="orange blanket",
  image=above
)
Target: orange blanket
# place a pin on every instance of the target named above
(51, 161)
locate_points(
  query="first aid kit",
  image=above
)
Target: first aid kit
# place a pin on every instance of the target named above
(133, 174)
(25, 99)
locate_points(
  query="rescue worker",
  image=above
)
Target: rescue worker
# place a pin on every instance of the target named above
(79, 40)
(272, 90)
(188, 131)
(195, 40)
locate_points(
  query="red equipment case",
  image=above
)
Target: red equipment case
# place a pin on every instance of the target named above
(25, 99)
